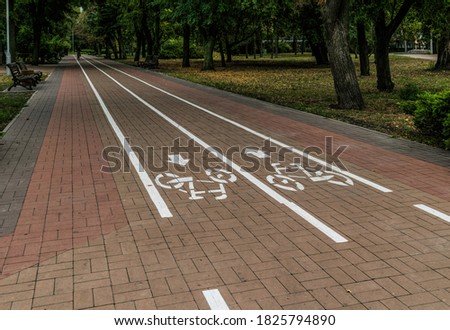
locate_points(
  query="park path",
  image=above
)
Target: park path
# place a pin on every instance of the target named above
(429, 57)
(133, 190)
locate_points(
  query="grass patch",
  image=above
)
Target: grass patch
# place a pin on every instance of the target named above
(10, 103)
(296, 82)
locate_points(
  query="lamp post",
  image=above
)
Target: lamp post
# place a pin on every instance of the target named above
(8, 53)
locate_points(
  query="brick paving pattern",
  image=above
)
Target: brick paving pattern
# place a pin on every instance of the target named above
(80, 238)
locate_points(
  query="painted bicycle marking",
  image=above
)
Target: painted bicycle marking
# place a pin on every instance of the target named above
(218, 178)
(286, 177)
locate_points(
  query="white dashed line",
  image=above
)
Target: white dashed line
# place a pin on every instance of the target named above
(215, 300)
(434, 212)
(134, 160)
(263, 136)
(250, 177)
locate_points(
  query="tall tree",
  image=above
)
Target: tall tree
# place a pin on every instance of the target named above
(45, 17)
(37, 11)
(311, 23)
(336, 18)
(186, 46)
(12, 31)
(436, 16)
(361, 14)
(211, 17)
(386, 23)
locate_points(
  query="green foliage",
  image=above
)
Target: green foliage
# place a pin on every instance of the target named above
(447, 132)
(408, 107)
(432, 116)
(10, 105)
(284, 47)
(173, 48)
(409, 94)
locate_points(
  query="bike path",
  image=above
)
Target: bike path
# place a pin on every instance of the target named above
(98, 241)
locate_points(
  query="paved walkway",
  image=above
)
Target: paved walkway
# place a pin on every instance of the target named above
(113, 198)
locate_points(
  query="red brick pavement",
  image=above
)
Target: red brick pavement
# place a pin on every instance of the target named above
(68, 200)
(87, 239)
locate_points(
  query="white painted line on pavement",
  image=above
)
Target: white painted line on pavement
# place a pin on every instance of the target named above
(134, 160)
(215, 300)
(265, 188)
(263, 136)
(434, 212)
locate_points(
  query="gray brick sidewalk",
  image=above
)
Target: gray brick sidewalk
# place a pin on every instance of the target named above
(20, 148)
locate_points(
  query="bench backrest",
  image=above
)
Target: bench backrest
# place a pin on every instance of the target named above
(14, 68)
(22, 65)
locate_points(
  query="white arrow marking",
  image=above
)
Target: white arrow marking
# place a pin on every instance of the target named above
(257, 153)
(178, 159)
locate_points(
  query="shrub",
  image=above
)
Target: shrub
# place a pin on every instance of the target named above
(432, 116)
(173, 48)
(409, 93)
(408, 107)
(284, 47)
(447, 132)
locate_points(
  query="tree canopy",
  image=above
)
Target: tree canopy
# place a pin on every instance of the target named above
(43, 30)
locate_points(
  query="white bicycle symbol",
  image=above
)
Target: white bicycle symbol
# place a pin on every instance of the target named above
(217, 179)
(289, 182)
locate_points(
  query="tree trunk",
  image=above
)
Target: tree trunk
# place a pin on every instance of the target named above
(122, 53)
(208, 50)
(148, 38)
(261, 44)
(363, 49)
(144, 47)
(139, 40)
(222, 54)
(344, 75)
(277, 43)
(107, 51)
(383, 35)
(12, 33)
(38, 12)
(157, 39)
(272, 47)
(37, 34)
(186, 46)
(443, 58)
(294, 44)
(384, 80)
(320, 53)
(12, 40)
(113, 44)
(229, 50)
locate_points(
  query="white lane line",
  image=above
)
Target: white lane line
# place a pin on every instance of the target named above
(265, 188)
(134, 160)
(434, 212)
(263, 136)
(215, 300)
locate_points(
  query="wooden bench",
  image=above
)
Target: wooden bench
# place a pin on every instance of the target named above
(19, 79)
(25, 71)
